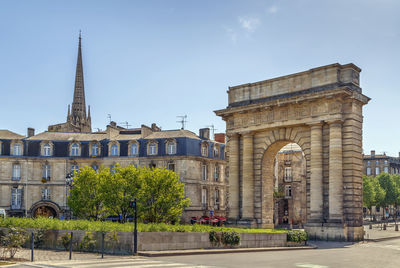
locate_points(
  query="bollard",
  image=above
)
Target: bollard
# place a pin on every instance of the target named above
(384, 226)
(396, 227)
(70, 246)
(32, 245)
(102, 245)
(370, 226)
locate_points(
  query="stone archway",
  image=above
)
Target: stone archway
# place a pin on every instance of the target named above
(45, 209)
(321, 111)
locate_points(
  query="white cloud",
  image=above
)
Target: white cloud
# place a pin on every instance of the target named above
(249, 23)
(273, 9)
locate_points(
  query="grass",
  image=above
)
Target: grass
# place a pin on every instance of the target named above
(2, 263)
(56, 224)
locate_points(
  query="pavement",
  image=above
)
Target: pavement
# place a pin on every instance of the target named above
(378, 234)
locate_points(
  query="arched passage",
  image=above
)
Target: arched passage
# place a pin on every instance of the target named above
(46, 209)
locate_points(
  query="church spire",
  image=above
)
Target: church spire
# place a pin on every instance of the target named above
(78, 104)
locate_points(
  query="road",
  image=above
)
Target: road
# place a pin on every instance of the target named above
(328, 255)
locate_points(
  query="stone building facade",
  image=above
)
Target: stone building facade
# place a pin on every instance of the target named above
(374, 164)
(33, 169)
(321, 111)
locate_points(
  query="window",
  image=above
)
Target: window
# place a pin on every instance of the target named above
(377, 171)
(288, 191)
(216, 172)
(369, 163)
(152, 149)
(378, 209)
(16, 198)
(216, 150)
(287, 176)
(114, 150)
(171, 148)
(386, 169)
(204, 150)
(46, 172)
(46, 194)
(134, 149)
(47, 150)
(95, 167)
(368, 171)
(204, 198)
(17, 149)
(204, 172)
(171, 166)
(377, 162)
(386, 162)
(74, 168)
(16, 172)
(112, 169)
(216, 199)
(95, 149)
(75, 149)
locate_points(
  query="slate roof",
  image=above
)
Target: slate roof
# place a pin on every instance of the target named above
(9, 135)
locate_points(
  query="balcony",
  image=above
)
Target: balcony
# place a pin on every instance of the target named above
(15, 178)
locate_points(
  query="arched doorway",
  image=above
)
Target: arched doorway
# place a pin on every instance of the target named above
(47, 209)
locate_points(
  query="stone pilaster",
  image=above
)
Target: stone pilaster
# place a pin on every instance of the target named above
(335, 172)
(248, 177)
(233, 176)
(316, 194)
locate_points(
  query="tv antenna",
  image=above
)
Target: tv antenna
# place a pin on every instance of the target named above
(126, 124)
(109, 117)
(182, 120)
(213, 129)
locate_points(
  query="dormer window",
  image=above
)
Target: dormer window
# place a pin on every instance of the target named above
(17, 151)
(114, 150)
(204, 149)
(171, 146)
(46, 150)
(75, 149)
(216, 150)
(152, 148)
(134, 149)
(95, 149)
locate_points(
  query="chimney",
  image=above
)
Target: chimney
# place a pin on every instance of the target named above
(372, 153)
(204, 133)
(31, 132)
(113, 124)
(219, 137)
(155, 128)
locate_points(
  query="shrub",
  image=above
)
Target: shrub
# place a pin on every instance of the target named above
(88, 243)
(39, 237)
(112, 239)
(297, 236)
(225, 238)
(65, 240)
(13, 241)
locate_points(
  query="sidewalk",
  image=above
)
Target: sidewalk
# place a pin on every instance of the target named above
(376, 234)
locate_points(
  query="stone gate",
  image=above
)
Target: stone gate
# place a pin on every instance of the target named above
(320, 110)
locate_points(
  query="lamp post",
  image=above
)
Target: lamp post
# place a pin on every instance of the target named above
(69, 179)
(132, 204)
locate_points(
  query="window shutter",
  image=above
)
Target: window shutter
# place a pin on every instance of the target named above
(19, 197)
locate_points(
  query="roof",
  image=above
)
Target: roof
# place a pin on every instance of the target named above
(178, 133)
(69, 136)
(9, 135)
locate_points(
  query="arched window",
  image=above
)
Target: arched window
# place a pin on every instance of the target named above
(204, 149)
(75, 149)
(95, 149)
(47, 150)
(134, 149)
(216, 150)
(114, 150)
(17, 149)
(171, 147)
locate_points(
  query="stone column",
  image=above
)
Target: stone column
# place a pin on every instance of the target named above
(316, 194)
(233, 164)
(248, 177)
(335, 172)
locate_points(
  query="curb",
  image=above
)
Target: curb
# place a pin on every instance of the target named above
(216, 251)
(381, 239)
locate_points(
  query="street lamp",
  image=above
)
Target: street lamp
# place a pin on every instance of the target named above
(69, 180)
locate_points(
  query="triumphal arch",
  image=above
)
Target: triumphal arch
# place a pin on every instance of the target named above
(321, 111)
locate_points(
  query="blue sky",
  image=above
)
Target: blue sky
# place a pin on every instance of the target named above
(150, 61)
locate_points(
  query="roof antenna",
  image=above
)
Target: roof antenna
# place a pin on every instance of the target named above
(109, 117)
(183, 120)
(126, 124)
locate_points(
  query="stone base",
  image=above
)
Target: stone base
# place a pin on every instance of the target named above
(334, 232)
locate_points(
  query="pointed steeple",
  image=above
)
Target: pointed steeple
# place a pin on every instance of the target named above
(78, 104)
(69, 112)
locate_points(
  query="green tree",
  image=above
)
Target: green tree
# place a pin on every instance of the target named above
(85, 199)
(163, 198)
(389, 186)
(120, 187)
(368, 193)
